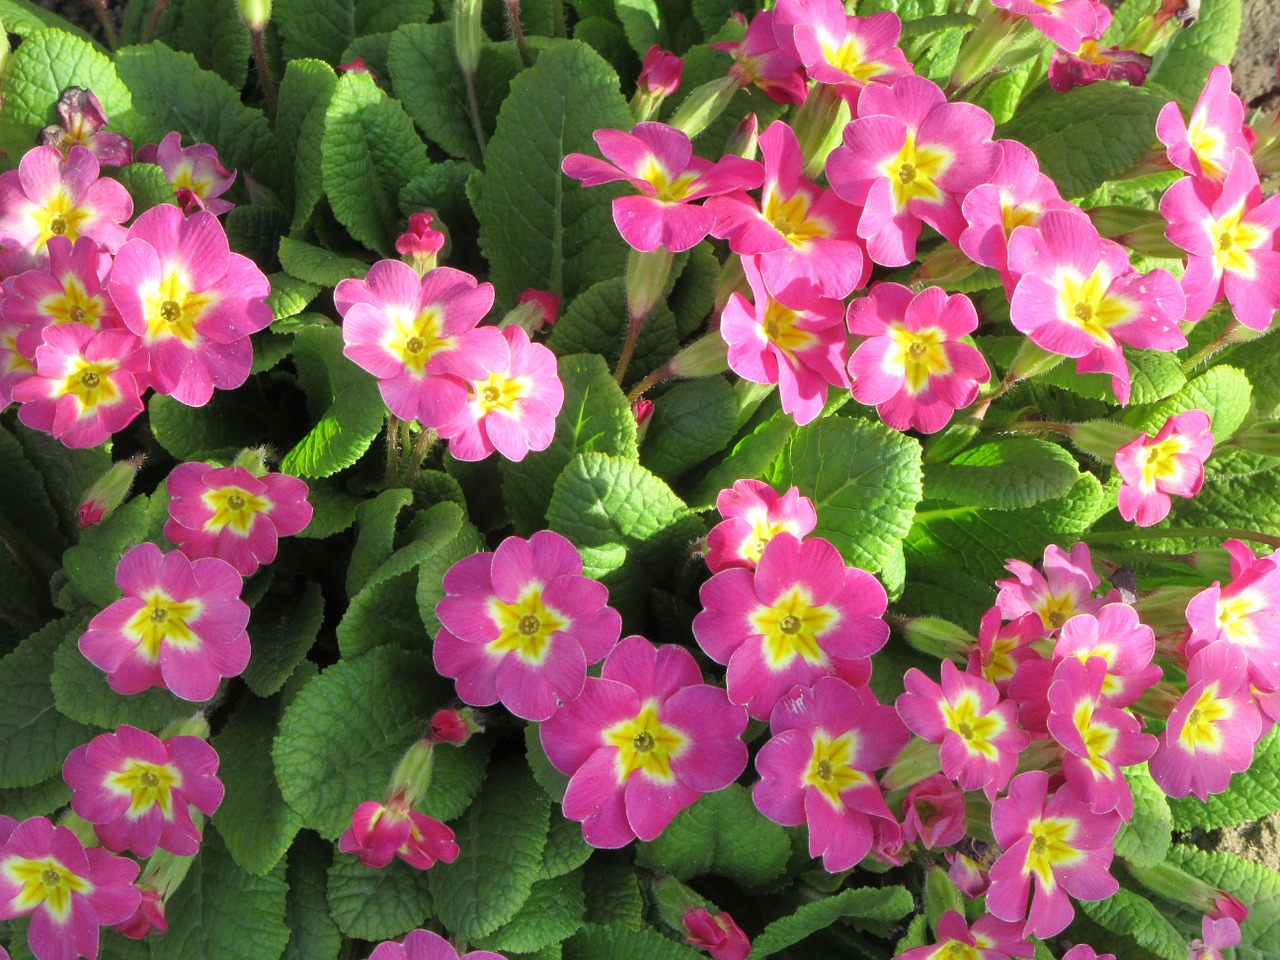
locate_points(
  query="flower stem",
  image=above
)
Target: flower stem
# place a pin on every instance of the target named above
(154, 19)
(108, 26)
(1167, 533)
(629, 345)
(393, 451)
(264, 73)
(473, 105)
(652, 380)
(1204, 353)
(421, 446)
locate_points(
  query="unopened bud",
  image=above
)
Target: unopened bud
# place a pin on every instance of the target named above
(1101, 439)
(647, 275)
(108, 492)
(642, 410)
(703, 105)
(705, 357)
(467, 35)
(939, 638)
(732, 280)
(255, 14)
(717, 934)
(1140, 230)
(1031, 360)
(745, 141)
(918, 759)
(659, 78)
(421, 243)
(945, 266)
(453, 726)
(253, 459)
(535, 310)
(412, 775)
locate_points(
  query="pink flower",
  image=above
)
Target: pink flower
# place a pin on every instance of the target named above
(643, 742)
(934, 813)
(1246, 613)
(513, 405)
(1229, 233)
(1082, 951)
(547, 304)
(195, 172)
(82, 119)
(381, 832)
(425, 945)
(793, 337)
(1056, 595)
(658, 161)
(799, 616)
(819, 767)
(978, 731)
(1092, 63)
(67, 890)
(1212, 729)
(85, 386)
(911, 367)
(1002, 647)
(521, 625)
(193, 302)
(988, 939)
(15, 366)
(180, 625)
(969, 876)
(452, 726)
(909, 158)
(1066, 22)
(1170, 463)
(759, 60)
(418, 336)
(149, 916)
(717, 934)
(421, 240)
(836, 48)
(754, 513)
(799, 231)
(135, 789)
(227, 512)
(1056, 841)
(1215, 936)
(660, 72)
(52, 196)
(1077, 295)
(67, 290)
(1204, 146)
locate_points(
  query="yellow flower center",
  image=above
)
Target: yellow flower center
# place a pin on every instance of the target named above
(58, 218)
(1099, 739)
(848, 57)
(1086, 304)
(147, 785)
(526, 626)
(500, 392)
(1207, 143)
(791, 218)
(1051, 847)
(1234, 614)
(917, 355)
(1233, 243)
(646, 744)
(163, 620)
(831, 768)
(1161, 462)
(234, 509)
(414, 340)
(668, 189)
(976, 729)
(173, 309)
(913, 170)
(91, 384)
(1200, 732)
(44, 881)
(780, 328)
(791, 628)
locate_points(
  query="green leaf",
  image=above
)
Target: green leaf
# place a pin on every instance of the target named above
(332, 512)
(314, 265)
(722, 833)
(1252, 795)
(341, 436)
(308, 162)
(283, 630)
(377, 904)
(456, 780)
(502, 839)
(595, 418)
(1128, 914)
(632, 530)
(691, 421)
(566, 851)
(551, 915)
(30, 541)
(623, 942)
(171, 92)
(749, 458)
(91, 564)
(1183, 66)
(67, 475)
(864, 480)
(538, 228)
(312, 933)
(41, 800)
(304, 84)
(34, 737)
(220, 912)
(431, 573)
(253, 820)
(442, 188)
(217, 431)
(940, 895)
(870, 903)
(640, 20)
(25, 18)
(344, 731)
(1003, 474)
(315, 28)
(147, 185)
(432, 88)
(1154, 376)
(1145, 839)
(213, 33)
(289, 295)
(368, 151)
(596, 322)
(1222, 392)
(43, 65)
(1256, 885)
(375, 535)
(549, 778)
(613, 894)
(1088, 135)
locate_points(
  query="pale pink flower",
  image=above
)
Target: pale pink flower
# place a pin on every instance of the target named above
(227, 512)
(380, 832)
(1002, 647)
(425, 945)
(1204, 145)
(193, 302)
(642, 742)
(1056, 591)
(1170, 464)
(754, 513)
(136, 789)
(196, 174)
(1215, 936)
(180, 625)
(1067, 23)
(988, 939)
(715, 933)
(1246, 613)
(82, 119)
(69, 289)
(838, 49)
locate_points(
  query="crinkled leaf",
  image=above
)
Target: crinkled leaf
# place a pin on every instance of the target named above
(146, 183)
(377, 904)
(502, 839)
(25, 18)
(30, 542)
(1145, 839)
(283, 629)
(1183, 65)
(1223, 392)
(1252, 795)
(596, 322)
(212, 32)
(315, 28)
(41, 800)
(722, 833)
(341, 436)
(91, 564)
(691, 421)
(229, 423)
(1129, 914)
(431, 573)
(693, 295)
(595, 418)
(870, 903)
(332, 512)
(623, 942)
(538, 228)
(566, 850)
(750, 457)
(613, 894)
(375, 535)
(443, 189)
(551, 915)
(641, 21)
(368, 151)
(318, 266)
(289, 295)
(304, 84)
(312, 933)
(549, 778)
(1153, 376)
(1003, 474)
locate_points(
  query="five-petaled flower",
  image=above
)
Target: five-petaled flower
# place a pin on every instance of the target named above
(1170, 464)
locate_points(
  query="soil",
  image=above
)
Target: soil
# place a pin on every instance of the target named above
(1258, 841)
(1254, 69)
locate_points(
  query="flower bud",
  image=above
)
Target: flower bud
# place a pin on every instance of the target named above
(535, 309)
(745, 141)
(412, 775)
(919, 759)
(255, 14)
(659, 78)
(934, 813)
(420, 245)
(939, 638)
(703, 105)
(715, 933)
(967, 874)
(1101, 439)
(1140, 230)
(705, 357)
(253, 459)
(149, 916)
(1031, 360)
(101, 499)
(453, 726)
(467, 35)
(647, 275)
(642, 410)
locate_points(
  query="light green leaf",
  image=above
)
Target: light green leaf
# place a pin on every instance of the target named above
(691, 421)
(502, 839)
(538, 228)
(146, 183)
(1183, 66)
(1254, 884)
(1154, 376)
(749, 458)
(377, 904)
(871, 903)
(1252, 795)
(1222, 392)
(283, 630)
(1145, 839)
(551, 915)
(332, 512)
(25, 18)
(304, 84)
(622, 942)
(314, 265)
(289, 295)
(595, 418)
(1128, 914)
(722, 833)
(1003, 474)
(368, 152)
(375, 535)
(312, 933)
(213, 33)
(315, 28)
(431, 573)
(641, 21)
(693, 294)
(341, 436)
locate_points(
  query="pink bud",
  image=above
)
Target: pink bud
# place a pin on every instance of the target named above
(421, 239)
(547, 301)
(718, 935)
(642, 410)
(108, 492)
(82, 119)
(450, 726)
(660, 72)
(149, 916)
(1227, 907)
(356, 66)
(969, 876)
(934, 812)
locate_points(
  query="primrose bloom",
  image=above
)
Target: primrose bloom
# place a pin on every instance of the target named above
(1003, 647)
(1212, 729)
(380, 832)
(54, 196)
(799, 230)
(908, 159)
(521, 625)
(418, 336)
(1204, 145)
(82, 119)
(934, 813)
(1229, 233)
(799, 616)
(425, 945)
(819, 768)
(658, 161)
(838, 49)
(1246, 613)
(180, 625)
(642, 742)
(67, 891)
(227, 512)
(1092, 63)
(717, 934)
(1078, 296)
(990, 938)
(793, 337)
(754, 513)
(513, 407)
(193, 302)
(1170, 463)
(1055, 595)
(195, 172)
(758, 59)
(978, 731)
(1068, 23)
(135, 789)
(1115, 635)
(1056, 842)
(15, 365)
(1215, 936)
(912, 367)
(67, 290)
